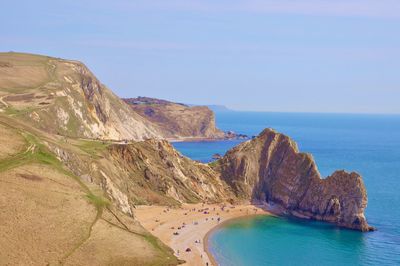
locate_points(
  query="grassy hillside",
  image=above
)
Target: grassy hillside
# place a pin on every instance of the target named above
(51, 216)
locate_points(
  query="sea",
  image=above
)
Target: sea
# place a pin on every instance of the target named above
(366, 143)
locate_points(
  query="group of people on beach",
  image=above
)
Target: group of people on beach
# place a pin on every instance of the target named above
(210, 213)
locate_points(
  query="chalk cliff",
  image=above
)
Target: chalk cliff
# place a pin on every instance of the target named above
(64, 97)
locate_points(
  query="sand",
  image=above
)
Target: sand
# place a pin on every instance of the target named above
(194, 226)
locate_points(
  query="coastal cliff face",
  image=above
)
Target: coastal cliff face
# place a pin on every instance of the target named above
(64, 97)
(270, 168)
(157, 174)
(144, 173)
(175, 120)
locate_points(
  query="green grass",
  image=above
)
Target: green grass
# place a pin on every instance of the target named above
(73, 126)
(23, 157)
(99, 201)
(11, 111)
(37, 152)
(166, 256)
(93, 147)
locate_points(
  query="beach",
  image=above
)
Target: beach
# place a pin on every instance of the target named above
(185, 229)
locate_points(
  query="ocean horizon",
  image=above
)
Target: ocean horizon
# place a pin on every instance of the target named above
(366, 143)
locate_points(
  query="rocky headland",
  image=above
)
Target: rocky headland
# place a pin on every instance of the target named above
(270, 168)
(177, 120)
(180, 122)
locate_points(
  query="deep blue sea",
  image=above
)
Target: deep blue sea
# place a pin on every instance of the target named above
(368, 144)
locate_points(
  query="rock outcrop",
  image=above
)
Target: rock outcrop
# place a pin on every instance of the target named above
(176, 120)
(145, 172)
(270, 168)
(157, 174)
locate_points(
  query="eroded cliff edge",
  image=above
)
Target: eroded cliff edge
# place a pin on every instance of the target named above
(270, 168)
(177, 120)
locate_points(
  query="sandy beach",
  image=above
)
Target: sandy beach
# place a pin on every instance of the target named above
(185, 229)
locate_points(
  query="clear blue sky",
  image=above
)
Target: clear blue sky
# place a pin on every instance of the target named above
(300, 55)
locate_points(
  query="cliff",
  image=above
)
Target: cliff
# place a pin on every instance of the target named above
(64, 97)
(157, 174)
(176, 120)
(270, 168)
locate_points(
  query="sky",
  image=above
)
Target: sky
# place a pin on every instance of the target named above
(282, 56)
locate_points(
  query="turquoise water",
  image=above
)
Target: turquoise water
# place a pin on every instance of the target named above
(368, 144)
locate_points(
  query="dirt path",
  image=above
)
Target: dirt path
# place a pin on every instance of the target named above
(3, 102)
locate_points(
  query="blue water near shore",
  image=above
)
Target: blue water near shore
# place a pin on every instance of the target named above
(368, 144)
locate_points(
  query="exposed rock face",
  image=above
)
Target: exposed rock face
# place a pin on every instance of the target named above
(64, 97)
(147, 172)
(270, 168)
(156, 173)
(176, 120)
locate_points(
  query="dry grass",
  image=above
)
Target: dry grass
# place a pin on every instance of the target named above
(11, 142)
(50, 216)
(118, 247)
(23, 70)
(42, 219)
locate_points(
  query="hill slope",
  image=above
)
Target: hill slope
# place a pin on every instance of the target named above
(52, 215)
(64, 97)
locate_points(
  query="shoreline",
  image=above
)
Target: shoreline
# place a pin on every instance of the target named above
(197, 140)
(215, 228)
(203, 139)
(194, 226)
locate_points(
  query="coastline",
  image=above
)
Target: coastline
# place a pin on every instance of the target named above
(215, 228)
(195, 226)
(196, 139)
(204, 139)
